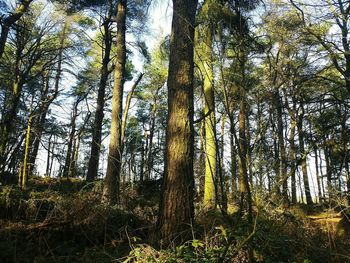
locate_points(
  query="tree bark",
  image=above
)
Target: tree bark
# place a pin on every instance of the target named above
(201, 164)
(48, 157)
(320, 197)
(150, 142)
(244, 188)
(23, 176)
(292, 157)
(176, 212)
(97, 128)
(233, 153)
(303, 156)
(69, 156)
(111, 187)
(282, 150)
(127, 106)
(221, 171)
(327, 153)
(142, 164)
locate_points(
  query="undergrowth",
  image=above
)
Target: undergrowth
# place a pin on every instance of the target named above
(64, 221)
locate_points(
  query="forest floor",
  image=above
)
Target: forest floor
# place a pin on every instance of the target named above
(64, 221)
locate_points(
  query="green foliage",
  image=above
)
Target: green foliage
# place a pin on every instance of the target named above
(73, 6)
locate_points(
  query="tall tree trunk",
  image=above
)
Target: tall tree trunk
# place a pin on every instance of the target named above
(329, 173)
(260, 149)
(111, 186)
(39, 127)
(303, 156)
(300, 188)
(292, 157)
(146, 174)
(244, 188)
(345, 142)
(97, 126)
(176, 212)
(142, 164)
(69, 156)
(76, 145)
(276, 163)
(52, 155)
(23, 177)
(75, 154)
(320, 197)
(48, 156)
(206, 68)
(201, 165)
(127, 106)
(150, 144)
(233, 153)
(282, 150)
(221, 171)
(249, 150)
(322, 175)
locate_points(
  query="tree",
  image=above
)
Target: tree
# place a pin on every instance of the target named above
(151, 113)
(331, 33)
(48, 95)
(176, 211)
(34, 53)
(112, 181)
(105, 71)
(204, 56)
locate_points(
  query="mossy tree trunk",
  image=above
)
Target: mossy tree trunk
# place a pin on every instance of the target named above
(244, 188)
(204, 54)
(23, 175)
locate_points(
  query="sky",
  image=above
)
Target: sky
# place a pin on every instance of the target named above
(159, 26)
